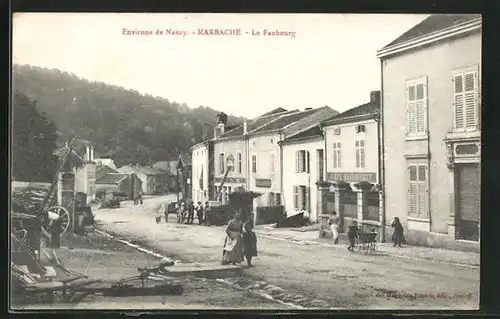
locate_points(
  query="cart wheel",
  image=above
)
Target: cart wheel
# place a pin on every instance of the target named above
(63, 215)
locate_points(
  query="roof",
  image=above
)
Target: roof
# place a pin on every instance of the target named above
(106, 161)
(433, 23)
(256, 123)
(311, 132)
(283, 121)
(356, 112)
(275, 111)
(103, 170)
(312, 119)
(140, 169)
(112, 178)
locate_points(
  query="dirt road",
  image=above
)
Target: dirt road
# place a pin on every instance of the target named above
(332, 274)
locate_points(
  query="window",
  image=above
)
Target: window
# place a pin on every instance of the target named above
(221, 163)
(416, 92)
(238, 163)
(418, 192)
(466, 99)
(337, 155)
(300, 197)
(320, 162)
(360, 154)
(302, 162)
(254, 163)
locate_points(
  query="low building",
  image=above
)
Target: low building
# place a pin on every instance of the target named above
(431, 84)
(202, 171)
(184, 175)
(351, 147)
(302, 169)
(170, 171)
(127, 184)
(153, 181)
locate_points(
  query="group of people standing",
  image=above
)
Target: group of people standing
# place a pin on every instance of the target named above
(240, 242)
(398, 237)
(186, 212)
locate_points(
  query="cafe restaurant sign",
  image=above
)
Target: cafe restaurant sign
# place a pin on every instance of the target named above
(263, 182)
(352, 177)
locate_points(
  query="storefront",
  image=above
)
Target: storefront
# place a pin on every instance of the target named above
(465, 176)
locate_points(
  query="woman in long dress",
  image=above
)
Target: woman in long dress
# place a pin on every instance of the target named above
(232, 252)
(249, 242)
(334, 226)
(398, 236)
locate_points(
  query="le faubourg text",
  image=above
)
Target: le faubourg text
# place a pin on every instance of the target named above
(209, 32)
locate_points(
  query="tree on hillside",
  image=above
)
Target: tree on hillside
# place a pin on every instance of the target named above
(33, 142)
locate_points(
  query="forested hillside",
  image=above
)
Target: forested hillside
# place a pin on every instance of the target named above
(123, 124)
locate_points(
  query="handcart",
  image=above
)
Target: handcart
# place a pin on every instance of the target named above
(367, 241)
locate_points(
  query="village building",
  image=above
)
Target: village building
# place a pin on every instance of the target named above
(184, 176)
(202, 171)
(431, 129)
(102, 170)
(169, 168)
(234, 144)
(256, 154)
(351, 149)
(152, 181)
(126, 184)
(303, 167)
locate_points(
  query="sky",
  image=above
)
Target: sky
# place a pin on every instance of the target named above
(331, 59)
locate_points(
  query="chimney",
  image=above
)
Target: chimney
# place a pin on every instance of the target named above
(375, 97)
(87, 153)
(245, 128)
(91, 153)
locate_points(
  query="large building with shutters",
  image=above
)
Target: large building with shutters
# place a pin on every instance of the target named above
(431, 84)
(350, 185)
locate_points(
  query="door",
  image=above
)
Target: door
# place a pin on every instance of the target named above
(468, 200)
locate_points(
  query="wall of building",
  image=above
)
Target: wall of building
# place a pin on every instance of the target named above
(200, 162)
(291, 178)
(348, 136)
(265, 147)
(436, 62)
(235, 178)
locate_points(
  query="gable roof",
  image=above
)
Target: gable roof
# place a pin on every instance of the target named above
(185, 159)
(431, 24)
(256, 123)
(275, 111)
(112, 178)
(103, 170)
(312, 132)
(312, 119)
(354, 114)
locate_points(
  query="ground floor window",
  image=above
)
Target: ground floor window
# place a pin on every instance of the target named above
(301, 198)
(274, 199)
(418, 191)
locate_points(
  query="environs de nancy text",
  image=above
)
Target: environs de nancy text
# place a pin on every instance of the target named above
(210, 32)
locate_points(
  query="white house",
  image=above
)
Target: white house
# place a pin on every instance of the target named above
(202, 171)
(302, 169)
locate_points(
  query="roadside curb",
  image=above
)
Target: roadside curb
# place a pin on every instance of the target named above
(315, 243)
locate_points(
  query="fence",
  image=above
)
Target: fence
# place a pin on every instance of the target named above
(270, 214)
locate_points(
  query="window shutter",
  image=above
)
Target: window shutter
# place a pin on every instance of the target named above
(471, 100)
(459, 101)
(412, 199)
(296, 161)
(357, 154)
(335, 165)
(339, 155)
(295, 198)
(362, 154)
(300, 197)
(412, 110)
(420, 109)
(308, 162)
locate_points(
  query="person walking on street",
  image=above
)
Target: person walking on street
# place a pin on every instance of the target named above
(207, 210)
(199, 213)
(232, 251)
(190, 211)
(352, 234)
(334, 226)
(398, 237)
(249, 241)
(182, 212)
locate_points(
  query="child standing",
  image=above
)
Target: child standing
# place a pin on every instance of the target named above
(352, 234)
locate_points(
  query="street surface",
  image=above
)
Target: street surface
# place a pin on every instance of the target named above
(330, 274)
(109, 260)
